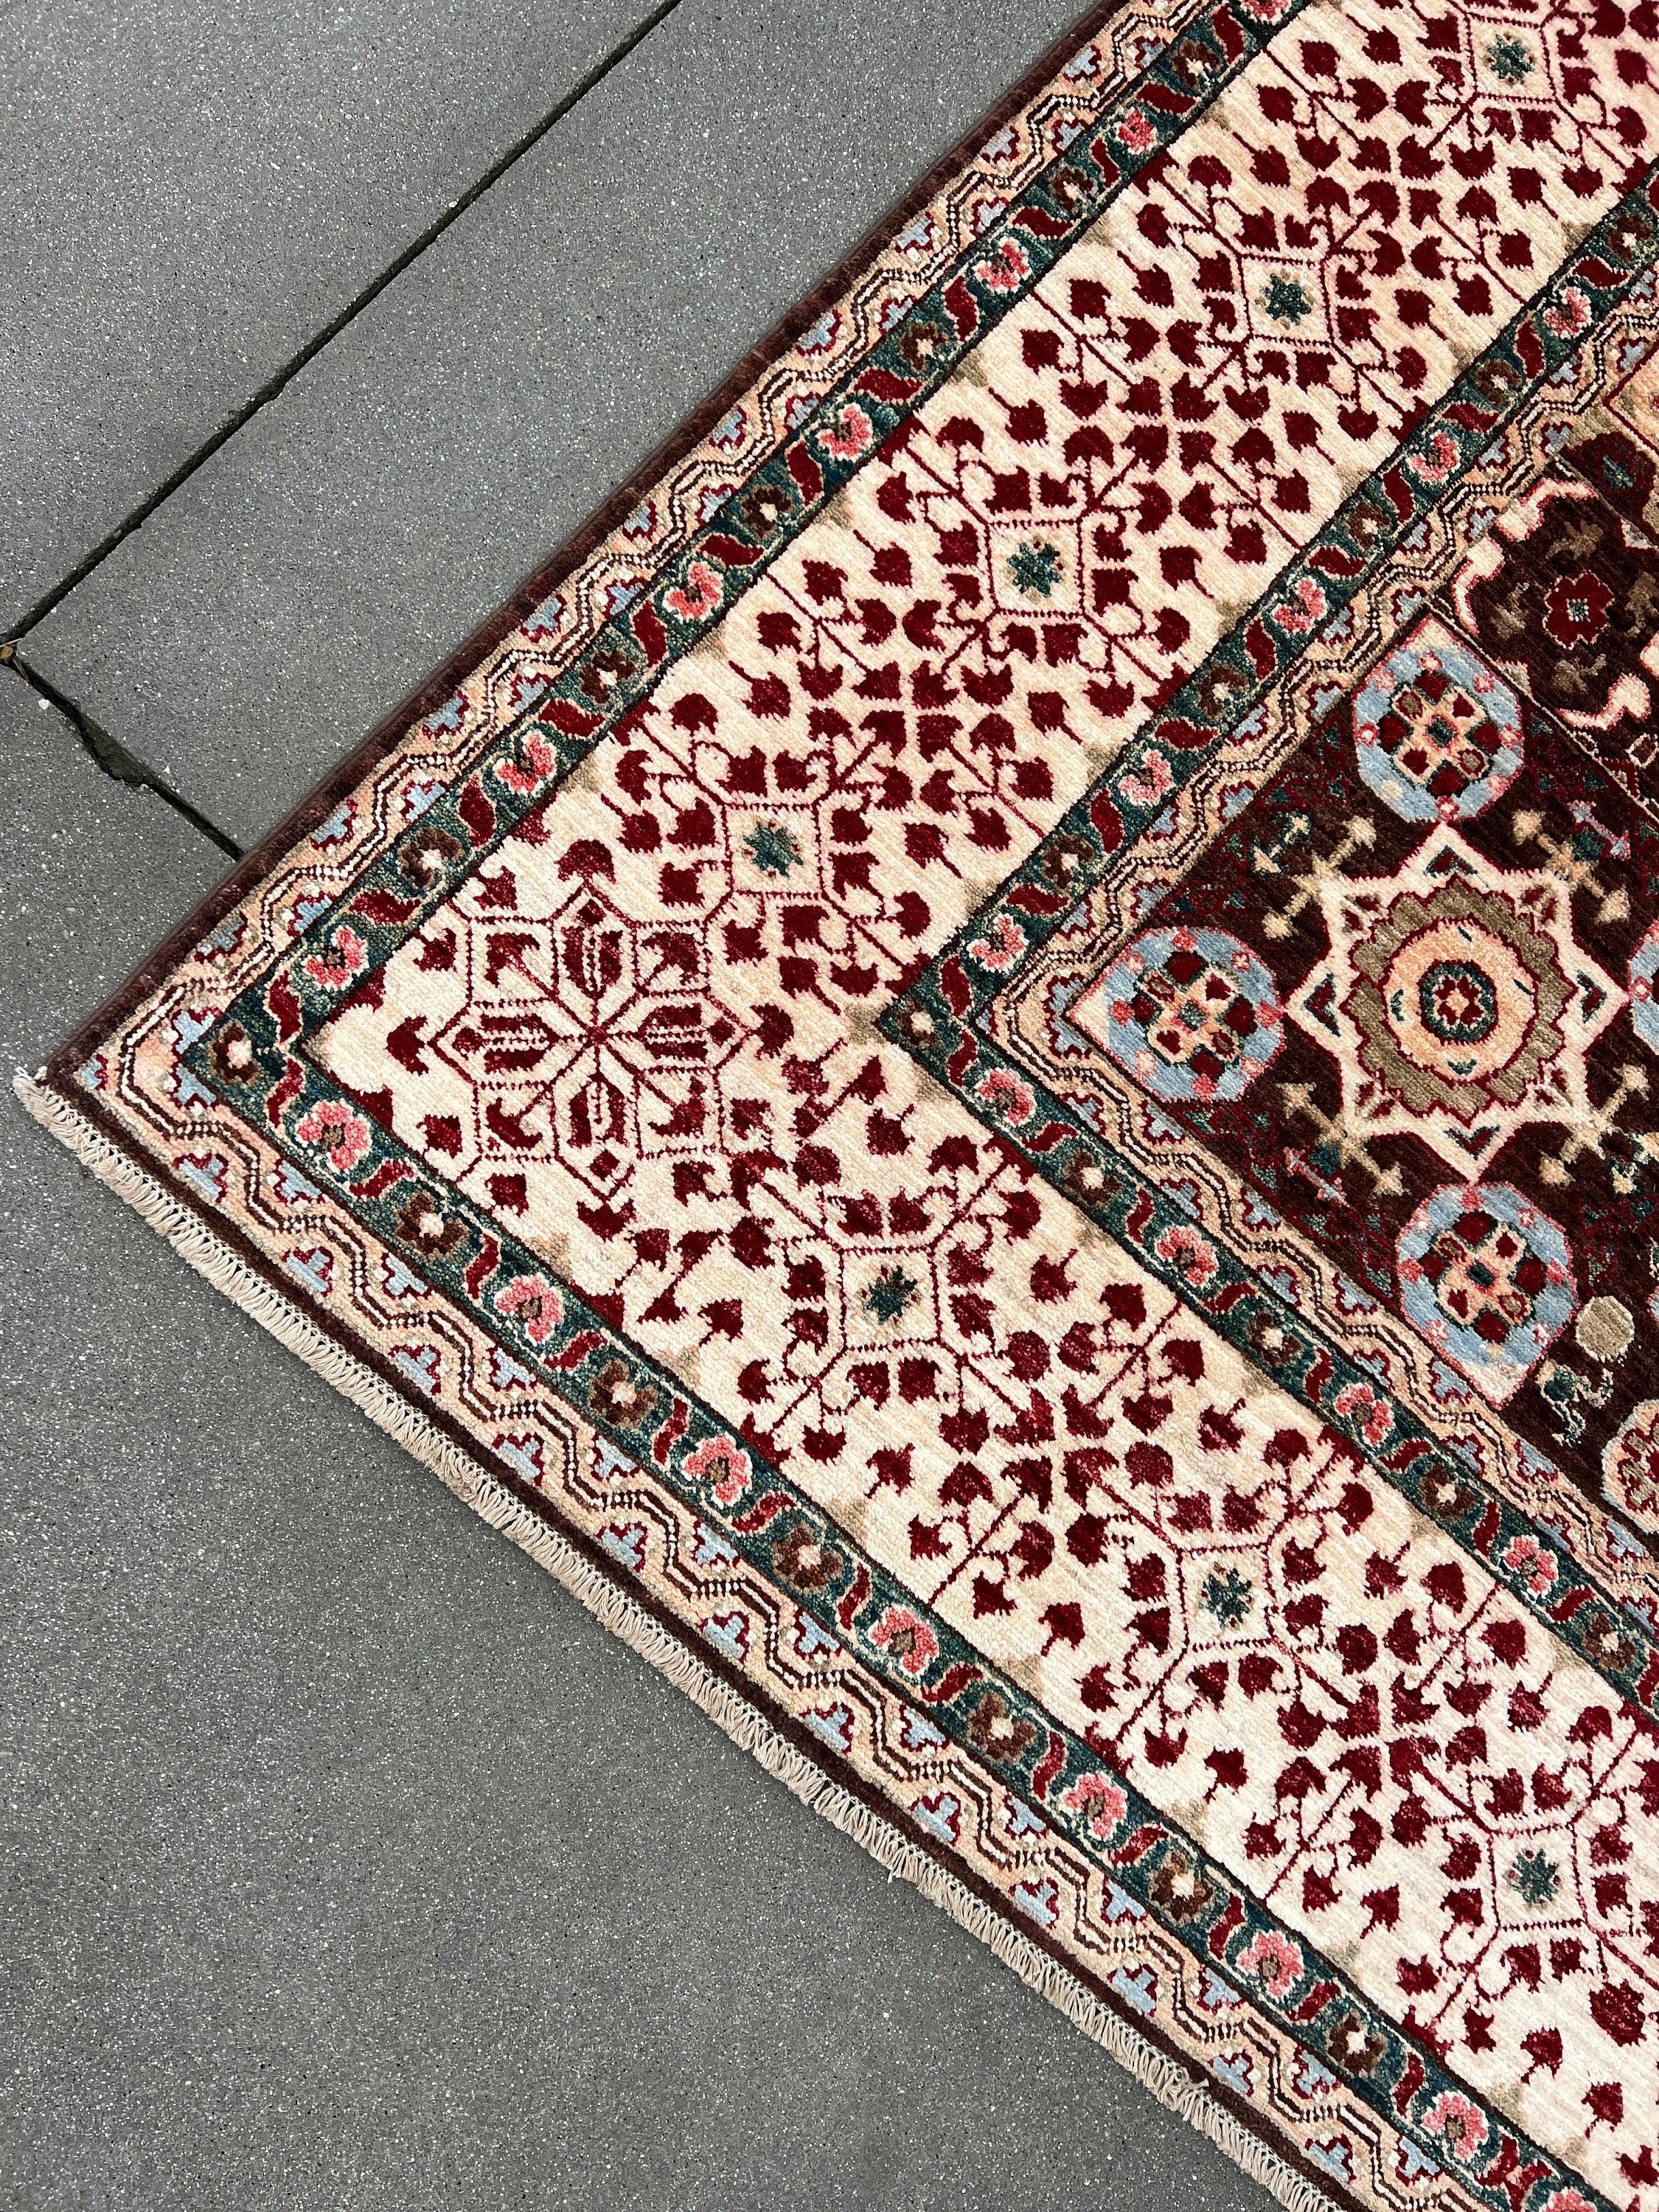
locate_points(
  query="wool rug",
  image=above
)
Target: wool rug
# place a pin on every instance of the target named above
(990, 1066)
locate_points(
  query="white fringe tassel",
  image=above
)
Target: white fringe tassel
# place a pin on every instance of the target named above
(1183, 2091)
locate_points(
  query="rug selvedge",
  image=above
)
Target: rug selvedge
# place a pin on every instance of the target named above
(419, 1216)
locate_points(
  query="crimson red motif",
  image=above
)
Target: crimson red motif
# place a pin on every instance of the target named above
(581, 1028)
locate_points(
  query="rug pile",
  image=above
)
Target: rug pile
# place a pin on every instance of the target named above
(992, 1067)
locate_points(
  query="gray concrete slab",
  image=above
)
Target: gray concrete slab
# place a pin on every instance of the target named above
(188, 191)
(362, 525)
(344, 1860)
(96, 875)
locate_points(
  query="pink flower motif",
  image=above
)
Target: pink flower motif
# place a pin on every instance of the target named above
(540, 762)
(720, 1462)
(1299, 614)
(1100, 1802)
(1360, 1404)
(537, 1303)
(350, 958)
(1006, 1095)
(1529, 1560)
(1275, 1960)
(1008, 272)
(1135, 129)
(1183, 1248)
(1569, 315)
(1002, 948)
(697, 596)
(1439, 462)
(908, 1637)
(1459, 2122)
(847, 434)
(1568, 2200)
(1150, 785)
(333, 1127)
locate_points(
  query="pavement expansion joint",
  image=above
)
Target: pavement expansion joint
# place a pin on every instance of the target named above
(110, 757)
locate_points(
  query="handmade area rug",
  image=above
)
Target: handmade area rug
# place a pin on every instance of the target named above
(992, 1068)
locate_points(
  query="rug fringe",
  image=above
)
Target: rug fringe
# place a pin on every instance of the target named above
(1183, 2091)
